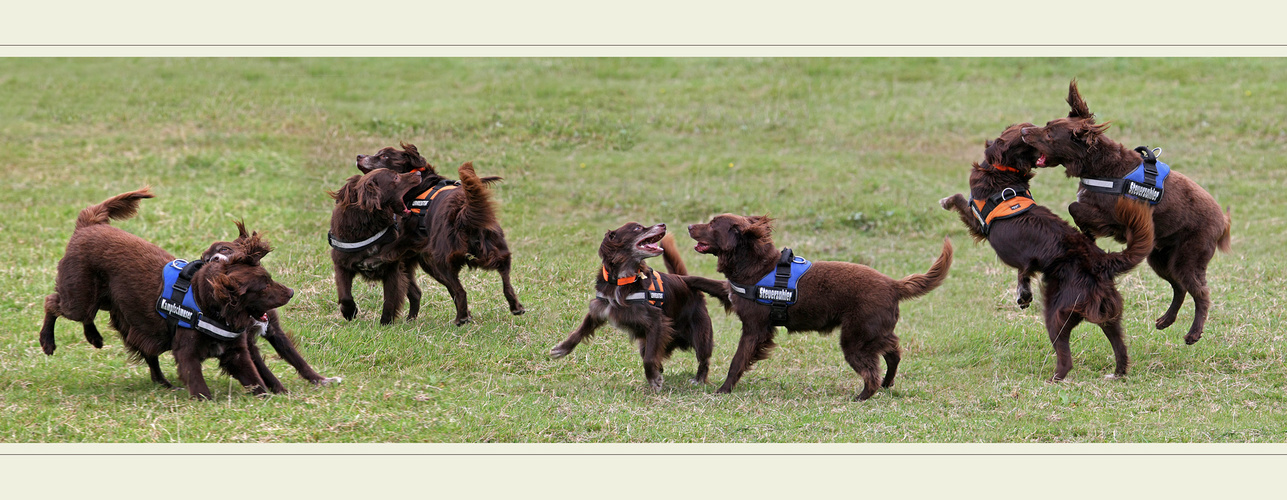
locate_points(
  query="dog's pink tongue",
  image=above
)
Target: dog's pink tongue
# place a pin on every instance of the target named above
(1041, 162)
(264, 318)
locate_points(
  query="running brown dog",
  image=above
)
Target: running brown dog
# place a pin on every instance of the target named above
(274, 333)
(367, 239)
(859, 300)
(1188, 223)
(662, 311)
(460, 224)
(109, 269)
(1077, 277)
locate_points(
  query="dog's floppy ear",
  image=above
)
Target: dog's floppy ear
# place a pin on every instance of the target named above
(241, 229)
(253, 248)
(345, 194)
(759, 226)
(368, 193)
(409, 148)
(1078, 105)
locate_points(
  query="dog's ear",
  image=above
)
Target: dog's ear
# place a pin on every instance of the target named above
(368, 193)
(409, 148)
(255, 248)
(1078, 105)
(987, 143)
(345, 194)
(760, 226)
(222, 287)
(1089, 132)
(241, 229)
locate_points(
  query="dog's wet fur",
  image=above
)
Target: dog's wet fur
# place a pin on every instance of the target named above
(1077, 277)
(105, 268)
(274, 333)
(859, 300)
(682, 321)
(1189, 225)
(463, 229)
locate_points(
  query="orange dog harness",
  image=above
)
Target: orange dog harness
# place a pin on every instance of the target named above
(1008, 203)
(655, 294)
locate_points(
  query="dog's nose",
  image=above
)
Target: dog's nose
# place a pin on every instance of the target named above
(662, 226)
(360, 157)
(289, 293)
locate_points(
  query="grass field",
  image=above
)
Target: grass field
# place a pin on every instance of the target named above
(850, 156)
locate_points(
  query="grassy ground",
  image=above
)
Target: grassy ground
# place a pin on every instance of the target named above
(850, 156)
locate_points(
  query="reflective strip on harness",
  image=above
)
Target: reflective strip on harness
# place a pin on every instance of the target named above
(421, 204)
(357, 246)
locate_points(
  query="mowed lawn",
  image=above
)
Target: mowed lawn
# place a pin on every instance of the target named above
(849, 156)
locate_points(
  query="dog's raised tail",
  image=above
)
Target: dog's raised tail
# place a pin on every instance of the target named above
(1137, 216)
(119, 207)
(477, 211)
(670, 254)
(919, 284)
(1225, 242)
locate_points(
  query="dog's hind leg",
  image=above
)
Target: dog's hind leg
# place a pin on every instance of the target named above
(1113, 330)
(413, 293)
(395, 292)
(52, 312)
(1161, 260)
(154, 368)
(450, 278)
(863, 345)
(1059, 325)
(1192, 268)
(703, 345)
(593, 320)
(515, 307)
(756, 344)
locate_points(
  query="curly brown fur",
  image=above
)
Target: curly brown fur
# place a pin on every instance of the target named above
(462, 227)
(681, 322)
(1077, 277)
(276, 336)
(109, 269)
(860, 301)
(1189, 225)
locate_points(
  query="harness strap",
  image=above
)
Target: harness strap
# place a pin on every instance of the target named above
(1146, 182)
(1003, 205)
(176, 311)
(358, 246)
(778, 309)
(424, 201)
(779, 296)
(655, 294)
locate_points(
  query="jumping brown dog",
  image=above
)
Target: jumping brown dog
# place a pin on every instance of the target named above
(1077, 277)
(862, 302)
(1188, 223)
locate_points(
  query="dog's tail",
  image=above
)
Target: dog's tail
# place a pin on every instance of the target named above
(670, 254)
(717, 289)
(1224, 243)
(119, 207)
(1137, 216)
(477, 210)
(919, 284)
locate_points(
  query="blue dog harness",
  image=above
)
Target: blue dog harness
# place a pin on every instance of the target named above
(777, 289)
(1144, 183)
(180, 308)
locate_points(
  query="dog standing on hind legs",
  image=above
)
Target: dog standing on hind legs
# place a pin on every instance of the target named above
(662, 311)
(458, 218)
(1077, 277)
(1189, 225)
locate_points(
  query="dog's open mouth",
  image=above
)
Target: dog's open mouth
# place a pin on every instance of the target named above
(1041, 161)
(702, 247)
(651, 244)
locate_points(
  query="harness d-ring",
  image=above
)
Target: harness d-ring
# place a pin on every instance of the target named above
(1013, 193)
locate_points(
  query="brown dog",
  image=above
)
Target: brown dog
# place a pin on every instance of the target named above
(274, 333)
(460, 224)
(110, 269)
(862, 302)
(1076, 276)
(368, 226)
(1188, 223)
(662, 311)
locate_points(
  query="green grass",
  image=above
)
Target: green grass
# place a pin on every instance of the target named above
(849, 155)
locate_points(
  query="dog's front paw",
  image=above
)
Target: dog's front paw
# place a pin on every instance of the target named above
(1025, 299)
(328, 381)
(655, 383)
(348, 309)
(517, 311)
(462, 321)
(949, 202)
(559, 351)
